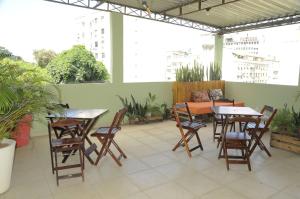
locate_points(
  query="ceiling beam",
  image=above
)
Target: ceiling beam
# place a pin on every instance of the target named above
(274, 22)
(183, 5)
(98, 4)
(210, 7)
(137, 12)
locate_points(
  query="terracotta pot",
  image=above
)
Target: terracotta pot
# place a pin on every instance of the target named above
(22, 131)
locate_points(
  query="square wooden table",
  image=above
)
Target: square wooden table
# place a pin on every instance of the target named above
(226, 111)
(235, 110)
(89, 118)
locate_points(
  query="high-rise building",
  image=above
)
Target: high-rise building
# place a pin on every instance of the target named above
(252, 64)
(93, 31)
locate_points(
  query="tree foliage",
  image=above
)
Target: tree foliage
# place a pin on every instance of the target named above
(43, 57)
(76, 65)
(4, 53)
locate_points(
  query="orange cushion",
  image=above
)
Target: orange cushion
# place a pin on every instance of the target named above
(200, 108)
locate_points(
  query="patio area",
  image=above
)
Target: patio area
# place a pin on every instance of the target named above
(152, 170)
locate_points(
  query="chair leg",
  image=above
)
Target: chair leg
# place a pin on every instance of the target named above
(81, 158)
(214, 130)
(114, 157)
(101, 152)
(52, 163)
(119, 149)
(180, 142)
(187, 148)
(247, 158)
(226, 156)
(56, 166)
(199, 141)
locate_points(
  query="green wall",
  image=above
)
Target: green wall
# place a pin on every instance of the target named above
(257, 95)
(103, 95)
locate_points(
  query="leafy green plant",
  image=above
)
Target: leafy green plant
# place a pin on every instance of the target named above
(139, 111)
(166, 111)
(24, 89)
(76, 65)
(283, 121)
(153, 107)
(135, 110)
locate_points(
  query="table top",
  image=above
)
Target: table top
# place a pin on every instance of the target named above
(234, 110)
(79, 113)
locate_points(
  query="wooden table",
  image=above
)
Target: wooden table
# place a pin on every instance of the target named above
(89, 118)
(233, 110)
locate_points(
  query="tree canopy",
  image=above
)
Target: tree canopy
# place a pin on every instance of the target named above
(76, 65)
(4, 53)
(43, 57)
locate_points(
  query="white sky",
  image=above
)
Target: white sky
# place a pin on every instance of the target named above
(34, 24)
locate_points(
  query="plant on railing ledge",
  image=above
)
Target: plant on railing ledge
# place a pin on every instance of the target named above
(186, 74)
(142, 112)
(214, 72)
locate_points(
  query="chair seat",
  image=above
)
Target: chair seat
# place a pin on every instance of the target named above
(104, 131)
(251, 125)
(241, 136)
(62, 123)
(192, 125)
(219, 117)
(66, 142)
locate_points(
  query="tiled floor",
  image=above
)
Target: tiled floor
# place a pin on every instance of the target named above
(152, 170)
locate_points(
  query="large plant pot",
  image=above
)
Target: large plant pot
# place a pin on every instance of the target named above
(7, 152)
(286, 142)
(22, 131)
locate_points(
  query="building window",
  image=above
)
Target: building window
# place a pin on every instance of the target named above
(272, 51)
(93, 39)
(102, 30)
(157, 54)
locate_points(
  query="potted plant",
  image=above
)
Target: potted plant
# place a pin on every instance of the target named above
(285, 130)
(23, 91)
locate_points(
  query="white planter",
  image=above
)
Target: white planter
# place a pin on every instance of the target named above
(6, 163)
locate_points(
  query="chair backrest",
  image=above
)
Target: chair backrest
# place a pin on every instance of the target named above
(116, 123)
(243, 120)
(182, 109)
(223, 100)
(268, 115)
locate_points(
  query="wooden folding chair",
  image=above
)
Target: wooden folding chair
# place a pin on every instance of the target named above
(65, 146)
(106, 137)
(239, 140)
(219, 120)
(190, 125)
(268, 115)
(68, 129)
